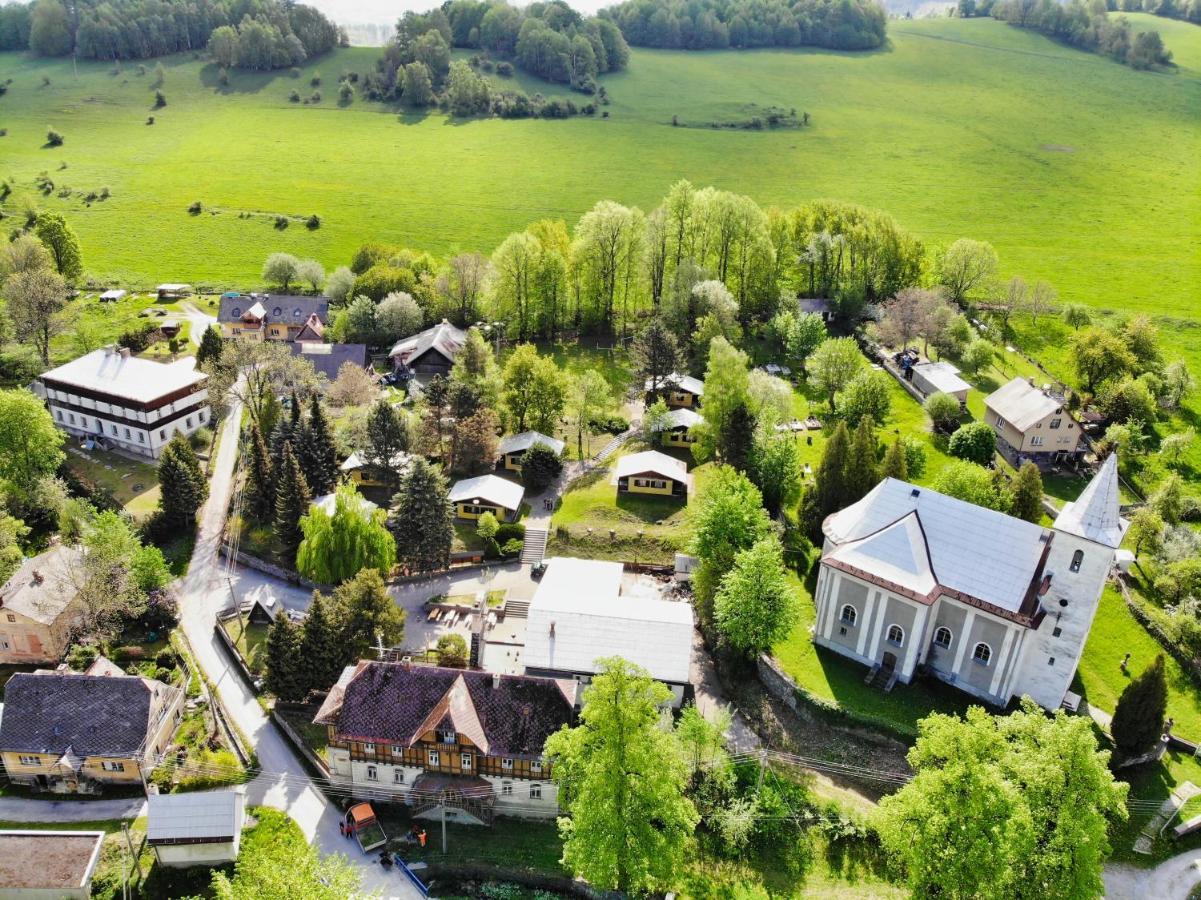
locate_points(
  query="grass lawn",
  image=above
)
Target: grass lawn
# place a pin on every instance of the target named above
(251, 641)
(133, 484)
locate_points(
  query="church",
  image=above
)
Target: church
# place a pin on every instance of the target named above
(911, 579)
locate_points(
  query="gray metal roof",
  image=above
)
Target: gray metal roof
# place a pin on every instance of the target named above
(516, 443)
(1021, 404)
(328, 359)
(489, 488)
(286, 308)
(191, 817)
(1095, 515)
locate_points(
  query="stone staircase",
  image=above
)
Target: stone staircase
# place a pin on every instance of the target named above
(1144, 842)
(534, 547)
(517, 609)
(609, 448)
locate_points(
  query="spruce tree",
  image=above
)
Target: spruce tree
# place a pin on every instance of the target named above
(317, 454)
(1138, 720)
(284, 677)
(258, 502)
(655, 355)
(862, 470)
(895, 463)
(321, 649)
(292, 499)
(830, 480)
(737, 438)
(181, 483)
(422, 519)
(210, 349)
(1028, 493)
(365, 613)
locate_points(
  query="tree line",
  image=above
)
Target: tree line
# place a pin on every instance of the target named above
(267, 33)
(742, 24)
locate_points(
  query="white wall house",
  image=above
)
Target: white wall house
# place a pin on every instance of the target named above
(994, 605)
(120, 400)
(197, 829)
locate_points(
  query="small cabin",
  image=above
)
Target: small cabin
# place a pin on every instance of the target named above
(512, 449)
(654, 474)
(472, 497)
(677, 391)
(677, 429)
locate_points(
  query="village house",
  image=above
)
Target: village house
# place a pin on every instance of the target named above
(361, 473)
(913, 580)
(512, 449)
(196, 829)
(39, 607)
(579, 616)
(328, 359)
(472, 497)
(272, 317)
(173, 291)
(816, 306)
(48, 865)
(69, 733)
(652, 473)
(429, 352)
(1032, 423)
(934, 377)
(470, 742)
(676, 390)
(677, 427)
(111, 398)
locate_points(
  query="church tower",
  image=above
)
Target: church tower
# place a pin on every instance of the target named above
(1084, 537)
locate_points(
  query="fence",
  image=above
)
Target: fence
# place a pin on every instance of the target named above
(298, 743)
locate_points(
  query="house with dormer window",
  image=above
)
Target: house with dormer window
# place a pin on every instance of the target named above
(464, 742)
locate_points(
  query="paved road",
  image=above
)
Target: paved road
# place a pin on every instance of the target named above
(20, 809)
(200, 320)
(284, 783)
(1170, 880)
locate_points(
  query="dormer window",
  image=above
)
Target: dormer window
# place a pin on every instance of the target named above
(1077, 561)
(446, 737)
(277, 311)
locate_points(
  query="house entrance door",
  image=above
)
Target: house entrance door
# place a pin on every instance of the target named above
(889, 662)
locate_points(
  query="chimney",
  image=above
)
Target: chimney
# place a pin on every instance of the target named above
(495, 680)
(37, 577)
(552, 629)
(1031, 381)
(124, 353)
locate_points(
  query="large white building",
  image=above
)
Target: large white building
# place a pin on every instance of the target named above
(997, 606)
(121, 400)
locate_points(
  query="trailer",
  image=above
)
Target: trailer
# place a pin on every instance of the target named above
(361, 822)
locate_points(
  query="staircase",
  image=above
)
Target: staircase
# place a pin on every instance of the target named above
(517, 609)
(881, 678)
(534, 547)
(609, 448)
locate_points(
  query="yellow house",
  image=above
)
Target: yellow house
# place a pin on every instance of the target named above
(39, 607)
(652, 473)
(472, 497)
(361, 473)
(1032, 423)
(272, 317)
(678, 391)
(69, 733)
(677, 429)
(512, 449)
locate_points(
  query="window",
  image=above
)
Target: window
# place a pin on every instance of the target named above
(536, 766)
(188, 422)
(58, 414)
(896, 635)
(506, 789)
(372, 773)
(127, 434)
(1056, 632)
(982, 654)
(71, 417)
(30, 760)
(114, 428)
(1055, 423)
(446, 737)
(296, 313)
(397, 750)
(1077, 560)
(465, 760)
(942, 637)
(112, 766)
(398, 776)
(11, 617)
(369, 747)
(162, 435)
(1036, 440)
(1051, 661)
(535, 792)
(141, 438)
(849, 614)
(433, 758)
(507, 765)
(276, 311)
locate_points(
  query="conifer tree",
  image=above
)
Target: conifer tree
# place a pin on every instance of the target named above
(292, 499)
(366, 613)
(320, 644)
(422, 519)
(831, 476)
(259, 499)
(317, 454)
(181, 483)
(895, 463)
(1027, 493)
(1138, 719)
(862, 470)
(209, 351)
(736, 441)
(655, 355)
(284, 675)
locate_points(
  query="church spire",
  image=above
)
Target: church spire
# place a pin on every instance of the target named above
(1095, 514)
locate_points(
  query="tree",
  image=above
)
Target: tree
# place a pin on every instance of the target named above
(462, 283)
(285, 675)
(540, 466)
(587, 398)
(737, 438)
(895, 464)
(775, 468)
(727, 384)
(291, 504)
(1129, 401)
(37, 300)
(756, 607)
(310, 272)
(1146, 530)
(475, 441)
(208, 353)
(54, 232)
(1141, 337)
(397, 316)
(259, 493)
(366, 615)
(622, 780)
(23, 254)
(729, 517)
(1027, 502)
(30, 444)
(655, 355)
(833, 364)
(257, 373)
(966, 267)
(183, 487)
(339, 285)
(830, 481)
(475, 367)
(1168, 499)
(983, 816)
(862, 470)
(451, 650)
(282, 269)
(354, 386)
(905, 316)
(1138, 719)
(336, 547)
(1040, 301)
(1076, 315)
(975, 442)
(1098, 354)
(977, 355)
(387, 437)
(533, 392)
(422, 520)
(315, 450)
(321, 647)
(1173, 445)
(1178, 384)
(418, 86)
(867, 395)
(800, 336)
(968, 481)
(50, 29)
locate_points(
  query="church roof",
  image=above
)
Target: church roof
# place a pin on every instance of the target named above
(1095, 515)
(896, 552)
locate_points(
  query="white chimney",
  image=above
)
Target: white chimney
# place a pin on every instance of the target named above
(495, 680)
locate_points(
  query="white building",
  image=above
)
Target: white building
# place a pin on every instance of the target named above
(199, 829)
(579, 616)
(120, 400)
(929, 377)
(994, 605)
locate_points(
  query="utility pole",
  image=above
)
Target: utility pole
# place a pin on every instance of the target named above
(444, 826)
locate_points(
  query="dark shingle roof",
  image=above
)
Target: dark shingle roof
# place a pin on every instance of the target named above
(328, 358)
(286, 308)
(91, 714)
(394, 703)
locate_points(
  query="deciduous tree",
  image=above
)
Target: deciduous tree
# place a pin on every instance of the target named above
(31, 447)
(1098, 354)
(354, 386)
(655, 355)
(776, 468)
(727, 384)
(397, 316)
(37, 302)
(756, 607)
(966, 268)
(729, 517)
(336, 547)
(533, 394)
(833, 364)
(975, 442)
(60, 240)
(281, 269)
(474, 440)
(587, 398)
(973, 483)
(867, 395)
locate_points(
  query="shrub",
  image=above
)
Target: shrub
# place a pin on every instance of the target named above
(294, 72)
(611, 424)
(281, 222)
(539, 467)
(943, 410)
(345, 92)
(81, 656)
(512, 547)
(504, 69)
(105, 193)
(315, 97)
(54, 138)
(509, 531)
(150, 120)
(315, 81)
(313, 222)
(294, 97)
(160, 99)
(223, 77)
(163, 674)
(451, 650)
(195, 208)
(137, 339)
(166, 659)
(201, 438)
(975, 442)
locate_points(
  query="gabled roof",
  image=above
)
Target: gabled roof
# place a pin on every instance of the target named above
(971, 550)
(396, 703)
(328, 359)
(1095, 515)
(942, 376)
(445, 338)
(517, 443)
(490, 489)
(105, 667)
(897, 553)
(682, 382)
(651, 462)
(400, 462)
(213, 815)
(1021, 404)
(129, 377)
(578, 616)
(274, 308)
(89, 714)
(683, 417)
(312, 330)
(42, 587)
(328, 504)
